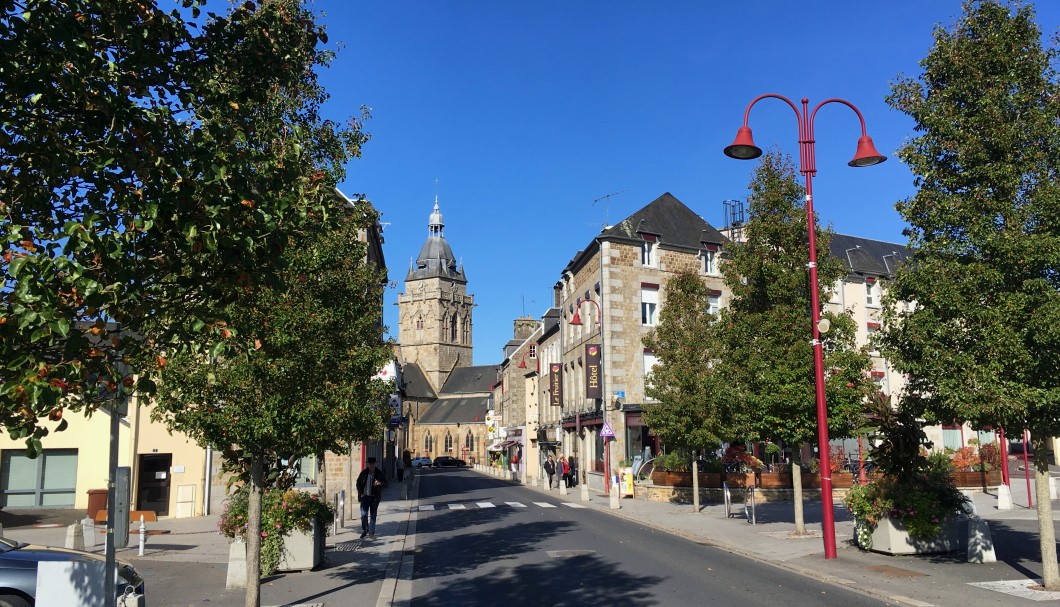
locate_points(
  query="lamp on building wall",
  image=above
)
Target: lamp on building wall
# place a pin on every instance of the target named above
(576, 320)
(522, 361)
(744, 148)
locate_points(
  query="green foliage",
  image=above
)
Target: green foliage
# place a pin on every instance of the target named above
(913, 489)
(282, 511)
(764, 358)
(673, 461)
(982, 343)
(147, 162)
(685, 414)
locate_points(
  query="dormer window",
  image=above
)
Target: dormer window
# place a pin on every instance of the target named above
(648, 254)
(872, 293)
(709, 258)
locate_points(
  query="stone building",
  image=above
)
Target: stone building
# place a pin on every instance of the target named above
(617, 284)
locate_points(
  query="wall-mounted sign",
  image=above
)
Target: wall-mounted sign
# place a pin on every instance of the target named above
(555, 384)
(592, 371)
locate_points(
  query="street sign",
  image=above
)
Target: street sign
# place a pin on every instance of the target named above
(619, 393)
(607, 431)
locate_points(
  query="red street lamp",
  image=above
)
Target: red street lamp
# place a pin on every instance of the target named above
(744, 148)
(576, 320)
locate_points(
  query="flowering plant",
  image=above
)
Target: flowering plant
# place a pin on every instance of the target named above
(282, 511)
(736, 456)
(916, 491)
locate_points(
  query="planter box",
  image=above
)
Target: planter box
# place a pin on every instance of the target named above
(840, 480)
(303, 550)
(665, 478)
(980, 479)
(890, 537)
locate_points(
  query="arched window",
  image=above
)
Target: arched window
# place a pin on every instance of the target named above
(428, 442)
(452, 329)
(467, 330)
(448, 441)
(419, 323)
(445, 324)
(469, 441)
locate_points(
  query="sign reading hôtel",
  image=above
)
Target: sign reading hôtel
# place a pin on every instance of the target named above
(555, 384)
(592, 371)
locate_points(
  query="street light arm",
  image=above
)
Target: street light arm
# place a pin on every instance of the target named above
(820, 105)
(791, 104)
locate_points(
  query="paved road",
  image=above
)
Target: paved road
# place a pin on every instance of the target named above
(481, 541)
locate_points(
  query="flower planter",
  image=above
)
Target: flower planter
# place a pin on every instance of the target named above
(303, 550)
(979, 479)
(666, 478)
(890, 537)
(840, 480)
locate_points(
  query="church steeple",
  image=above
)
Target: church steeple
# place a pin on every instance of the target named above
(436, 259)
(435, 309)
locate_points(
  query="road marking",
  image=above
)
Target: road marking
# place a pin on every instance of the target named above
(457, 507)
(427, 507)
(485, 505)
(544, 504)
(516, 504)
(570, 505)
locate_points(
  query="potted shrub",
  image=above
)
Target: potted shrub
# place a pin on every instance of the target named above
(293, 527)
(912, 505)
(672, 470)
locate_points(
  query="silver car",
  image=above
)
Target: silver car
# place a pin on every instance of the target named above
(18, 572)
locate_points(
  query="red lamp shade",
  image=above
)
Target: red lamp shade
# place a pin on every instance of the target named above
(743, 147)
(866, 155)
(576, 320)
(522, 362)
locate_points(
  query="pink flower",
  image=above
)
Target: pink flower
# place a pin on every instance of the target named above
(263, 534)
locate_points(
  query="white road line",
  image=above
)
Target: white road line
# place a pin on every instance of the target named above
(427, 507)
(516, 504)
(570, 505)
(544, 504)
(457, 507)
(485, 505)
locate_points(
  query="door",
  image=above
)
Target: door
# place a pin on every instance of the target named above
(152, 488)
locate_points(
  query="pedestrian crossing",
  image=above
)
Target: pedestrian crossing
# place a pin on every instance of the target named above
(485, 505)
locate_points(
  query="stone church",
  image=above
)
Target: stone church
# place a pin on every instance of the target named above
(446, 397)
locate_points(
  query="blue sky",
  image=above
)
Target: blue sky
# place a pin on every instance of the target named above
(526, 112)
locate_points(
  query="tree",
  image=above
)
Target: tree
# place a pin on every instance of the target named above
(298, 377)
(762, 336)
(974, 318)
(684, 414)
(146, 165)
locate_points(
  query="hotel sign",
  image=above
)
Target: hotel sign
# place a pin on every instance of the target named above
(592, 371)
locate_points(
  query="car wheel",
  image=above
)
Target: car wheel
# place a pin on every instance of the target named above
(13, 600)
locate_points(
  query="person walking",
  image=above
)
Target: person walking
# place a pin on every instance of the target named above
(573, 461)
(550, 469)
(370, 484)
(406, 464)
(564, 471)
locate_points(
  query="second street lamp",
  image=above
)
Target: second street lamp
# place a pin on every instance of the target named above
(744, 148)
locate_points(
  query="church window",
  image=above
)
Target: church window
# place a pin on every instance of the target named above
(428, 442)
(469, 441)
(452, 329)
(448, 442)
(467, 331)
(419, 323)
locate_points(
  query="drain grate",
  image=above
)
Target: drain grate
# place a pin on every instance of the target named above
(560, 554)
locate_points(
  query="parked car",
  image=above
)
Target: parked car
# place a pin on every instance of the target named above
(421, 462)
(448, 461)
(18, 572)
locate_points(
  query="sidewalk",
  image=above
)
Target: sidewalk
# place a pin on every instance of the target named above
(916, 581)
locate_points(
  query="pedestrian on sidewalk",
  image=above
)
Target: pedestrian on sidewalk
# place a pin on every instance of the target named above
(564, 468)
(573, 461)
(370, 484)
(550, 469)
(406, 464)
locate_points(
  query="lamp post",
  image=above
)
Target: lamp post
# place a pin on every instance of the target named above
(576, 320)
(744, 148)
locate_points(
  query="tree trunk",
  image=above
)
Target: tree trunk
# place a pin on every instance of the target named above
(796, 490)
(1046, 532)
(253, 596)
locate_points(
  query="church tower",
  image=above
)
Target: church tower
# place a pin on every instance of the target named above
(434, 313)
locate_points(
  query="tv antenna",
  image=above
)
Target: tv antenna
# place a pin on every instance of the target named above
(607, 204)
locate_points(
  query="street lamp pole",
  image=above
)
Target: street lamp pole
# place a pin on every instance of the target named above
(743, 148)
(576, 320)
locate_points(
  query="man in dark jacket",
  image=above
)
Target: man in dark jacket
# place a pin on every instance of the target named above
(370, 484)
(550, 469)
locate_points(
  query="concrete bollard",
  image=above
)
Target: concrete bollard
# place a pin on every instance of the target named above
(980, 542)
(237, 565)
(1052, 488)
(969, 506)
(75, 537)
(88, 532)
(1004, 498)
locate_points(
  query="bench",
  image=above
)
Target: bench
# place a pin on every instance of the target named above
(150, 516)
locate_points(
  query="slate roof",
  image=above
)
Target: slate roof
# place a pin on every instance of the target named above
(470, 380)
(551, 323)
(866, 256)
(675, 224)
(436, 259)
(416, 384)
(464, 410)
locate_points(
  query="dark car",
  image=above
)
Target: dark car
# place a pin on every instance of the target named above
(18, 571)
(443, 461)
